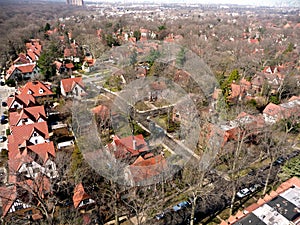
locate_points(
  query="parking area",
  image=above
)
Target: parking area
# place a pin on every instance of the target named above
(5, 91)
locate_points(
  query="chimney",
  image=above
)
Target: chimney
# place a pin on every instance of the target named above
(134, 143)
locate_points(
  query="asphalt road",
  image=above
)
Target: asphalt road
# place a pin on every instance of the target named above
(5, 91)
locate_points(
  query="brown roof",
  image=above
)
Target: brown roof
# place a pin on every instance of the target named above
(79, 195)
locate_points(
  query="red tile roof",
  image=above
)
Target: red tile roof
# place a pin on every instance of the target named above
(21, 135)
(122, 147)
(102, 111)
(21, 59)
(23, 99)
(43, 150)
(33, 113)
(35, 88)
(272, 109)
(79, 195)
(69, 83)
(8, 196)
(143, 169)
(69, 65)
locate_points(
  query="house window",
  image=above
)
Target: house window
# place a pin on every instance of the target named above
(35, 134)
(49, 167)
(29, 92)
(36, 141)
(41, 91)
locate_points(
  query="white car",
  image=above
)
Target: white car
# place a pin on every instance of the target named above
(243, 193)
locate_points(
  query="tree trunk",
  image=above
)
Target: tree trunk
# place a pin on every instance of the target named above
(193, 210)
(116, 214)
(268, 178)
(232, 198)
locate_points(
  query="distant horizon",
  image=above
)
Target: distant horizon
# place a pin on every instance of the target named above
(274, 3)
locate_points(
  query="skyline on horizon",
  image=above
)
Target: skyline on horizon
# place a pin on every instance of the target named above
(279, 3)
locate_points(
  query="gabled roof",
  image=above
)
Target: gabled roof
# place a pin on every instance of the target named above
(33, 113)
(102, 111)
(21, 59)
(42, 150)
(272, 109)
(79, 195)
(35, 87)
(21, 135)
(131, 144)
(23, 99)
(8, 196)
(143, 169)
(69, 83)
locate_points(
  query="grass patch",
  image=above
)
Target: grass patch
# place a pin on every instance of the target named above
(141, 106)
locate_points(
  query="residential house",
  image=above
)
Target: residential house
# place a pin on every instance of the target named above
(269, 80)
(72, 53)
(72, 87)
(28, 115)
(245, 125)
(33, 160)
(146, 170)
(102, 114)
(88, 64)
(30, 151)
(128, 147)
(81, 199)
(60, 67)
(15, 198)
(40, 91)
(11, 203)
(291, 109)
(239, 91)
(33, 49)
(25, 135)
(278, 207)
(182, 77)
(156, 90)
(21, 59)
(22, 71)
(19, 101)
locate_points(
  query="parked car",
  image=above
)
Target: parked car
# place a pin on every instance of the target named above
(254, 187)
(180, 206)
(280, 160)
(243, 193)
(160, 216)
(2, 138)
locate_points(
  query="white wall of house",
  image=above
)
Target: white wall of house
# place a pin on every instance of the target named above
(16, 105)
(77, 91)
(18, 205)
(36, 138)
(25, 122)
(269, 119)
(62, 90)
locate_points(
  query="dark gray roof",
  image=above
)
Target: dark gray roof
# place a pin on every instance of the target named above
(284, 207)
(250, 219)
